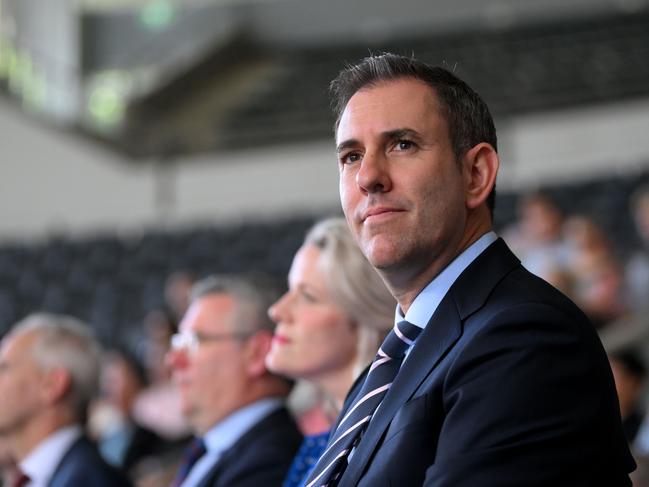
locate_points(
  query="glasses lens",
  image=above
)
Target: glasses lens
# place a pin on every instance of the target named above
(183, 341)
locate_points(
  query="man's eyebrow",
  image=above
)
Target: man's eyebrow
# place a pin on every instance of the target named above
(400, 133)
(387, 135)
(346, 145)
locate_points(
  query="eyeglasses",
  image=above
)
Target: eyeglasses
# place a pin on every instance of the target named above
(189, 341)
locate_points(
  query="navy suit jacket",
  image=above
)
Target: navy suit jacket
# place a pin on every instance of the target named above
(261, 457)
(508, 385)
(82, 466)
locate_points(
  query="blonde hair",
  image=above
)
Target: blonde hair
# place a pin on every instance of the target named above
(354, 285)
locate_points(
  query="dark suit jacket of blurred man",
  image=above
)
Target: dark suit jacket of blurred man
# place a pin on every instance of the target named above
(82, 466)
(500, 336)
(262, 456)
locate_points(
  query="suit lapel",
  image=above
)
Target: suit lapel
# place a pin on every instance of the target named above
(466, 296)
(78, 444)
(429, 349)
(247, 440)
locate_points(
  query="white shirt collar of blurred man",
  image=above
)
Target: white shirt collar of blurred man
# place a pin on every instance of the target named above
(41, 463)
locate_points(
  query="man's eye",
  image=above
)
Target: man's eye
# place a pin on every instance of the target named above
(404, 144)
(350, 158)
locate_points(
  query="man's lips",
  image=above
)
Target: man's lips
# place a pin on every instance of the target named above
(378, 212)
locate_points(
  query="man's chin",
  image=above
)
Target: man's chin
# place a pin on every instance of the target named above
(383, 261)
(381, 251)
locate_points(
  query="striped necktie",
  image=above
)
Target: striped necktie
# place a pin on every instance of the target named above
(379, 379)
(192, 454)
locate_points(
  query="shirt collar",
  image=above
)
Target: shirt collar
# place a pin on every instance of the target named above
(39, 465)
(423, 307)
(224, 434)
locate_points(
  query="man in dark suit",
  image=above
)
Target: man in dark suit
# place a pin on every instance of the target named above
(235, 406)
(491, 376)
(49, 371)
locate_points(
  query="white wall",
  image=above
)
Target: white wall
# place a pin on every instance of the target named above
(52, 181)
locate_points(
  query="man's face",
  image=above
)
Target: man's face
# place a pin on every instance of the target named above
(20, 381)
(401, 188)
(212, 377)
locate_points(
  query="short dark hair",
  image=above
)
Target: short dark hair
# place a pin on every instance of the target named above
(468, 117)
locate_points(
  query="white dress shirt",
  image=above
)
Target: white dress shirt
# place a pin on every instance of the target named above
(425, 304)
(40, 464)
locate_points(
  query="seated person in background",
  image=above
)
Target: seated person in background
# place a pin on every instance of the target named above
(122, 441)
(637, 267)
(245, 434)
(537, 237)
(177, 288)
(49, 372)
(157, 407)
(597, 276)
(329, 324)
(629, 373)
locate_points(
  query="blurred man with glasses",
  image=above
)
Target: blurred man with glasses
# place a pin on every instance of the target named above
(244, 434)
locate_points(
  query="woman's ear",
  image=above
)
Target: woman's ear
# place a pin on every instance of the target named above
(481, 166)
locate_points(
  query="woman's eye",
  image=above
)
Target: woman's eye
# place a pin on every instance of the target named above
(308, 297)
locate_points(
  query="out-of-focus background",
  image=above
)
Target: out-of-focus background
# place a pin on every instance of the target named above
(144, 142)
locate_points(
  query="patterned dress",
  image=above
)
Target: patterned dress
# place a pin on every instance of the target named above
(305, 459)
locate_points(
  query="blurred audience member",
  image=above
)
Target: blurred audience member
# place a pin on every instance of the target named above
(598, 281)
(157, 407)
(245, 436)
(637, 268)
(49, 372)
(629, 373)
(177, 288)
(537, 237)
(122, 441)
(330, 323)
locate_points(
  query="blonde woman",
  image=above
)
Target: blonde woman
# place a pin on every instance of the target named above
(330, 323)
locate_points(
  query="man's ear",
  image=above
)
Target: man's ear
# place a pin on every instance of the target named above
(56, 385)
(256, 349)
(480, 168)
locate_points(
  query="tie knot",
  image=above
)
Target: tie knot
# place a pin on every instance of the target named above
(196, 449)
(402, 336)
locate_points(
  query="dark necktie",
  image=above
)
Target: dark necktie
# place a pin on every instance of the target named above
(193, 453)
(21, 479)
(384, 368)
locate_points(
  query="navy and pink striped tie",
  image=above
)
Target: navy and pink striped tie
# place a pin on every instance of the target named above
(379, 379)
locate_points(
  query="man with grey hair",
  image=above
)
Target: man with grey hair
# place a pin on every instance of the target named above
(244, 433)
(49, 371)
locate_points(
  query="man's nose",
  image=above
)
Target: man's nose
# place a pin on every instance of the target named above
(373, 175)
(176, 359)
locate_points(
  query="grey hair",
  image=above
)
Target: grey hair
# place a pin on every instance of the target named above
(354, 285)
(253, 295)
(64, 341)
